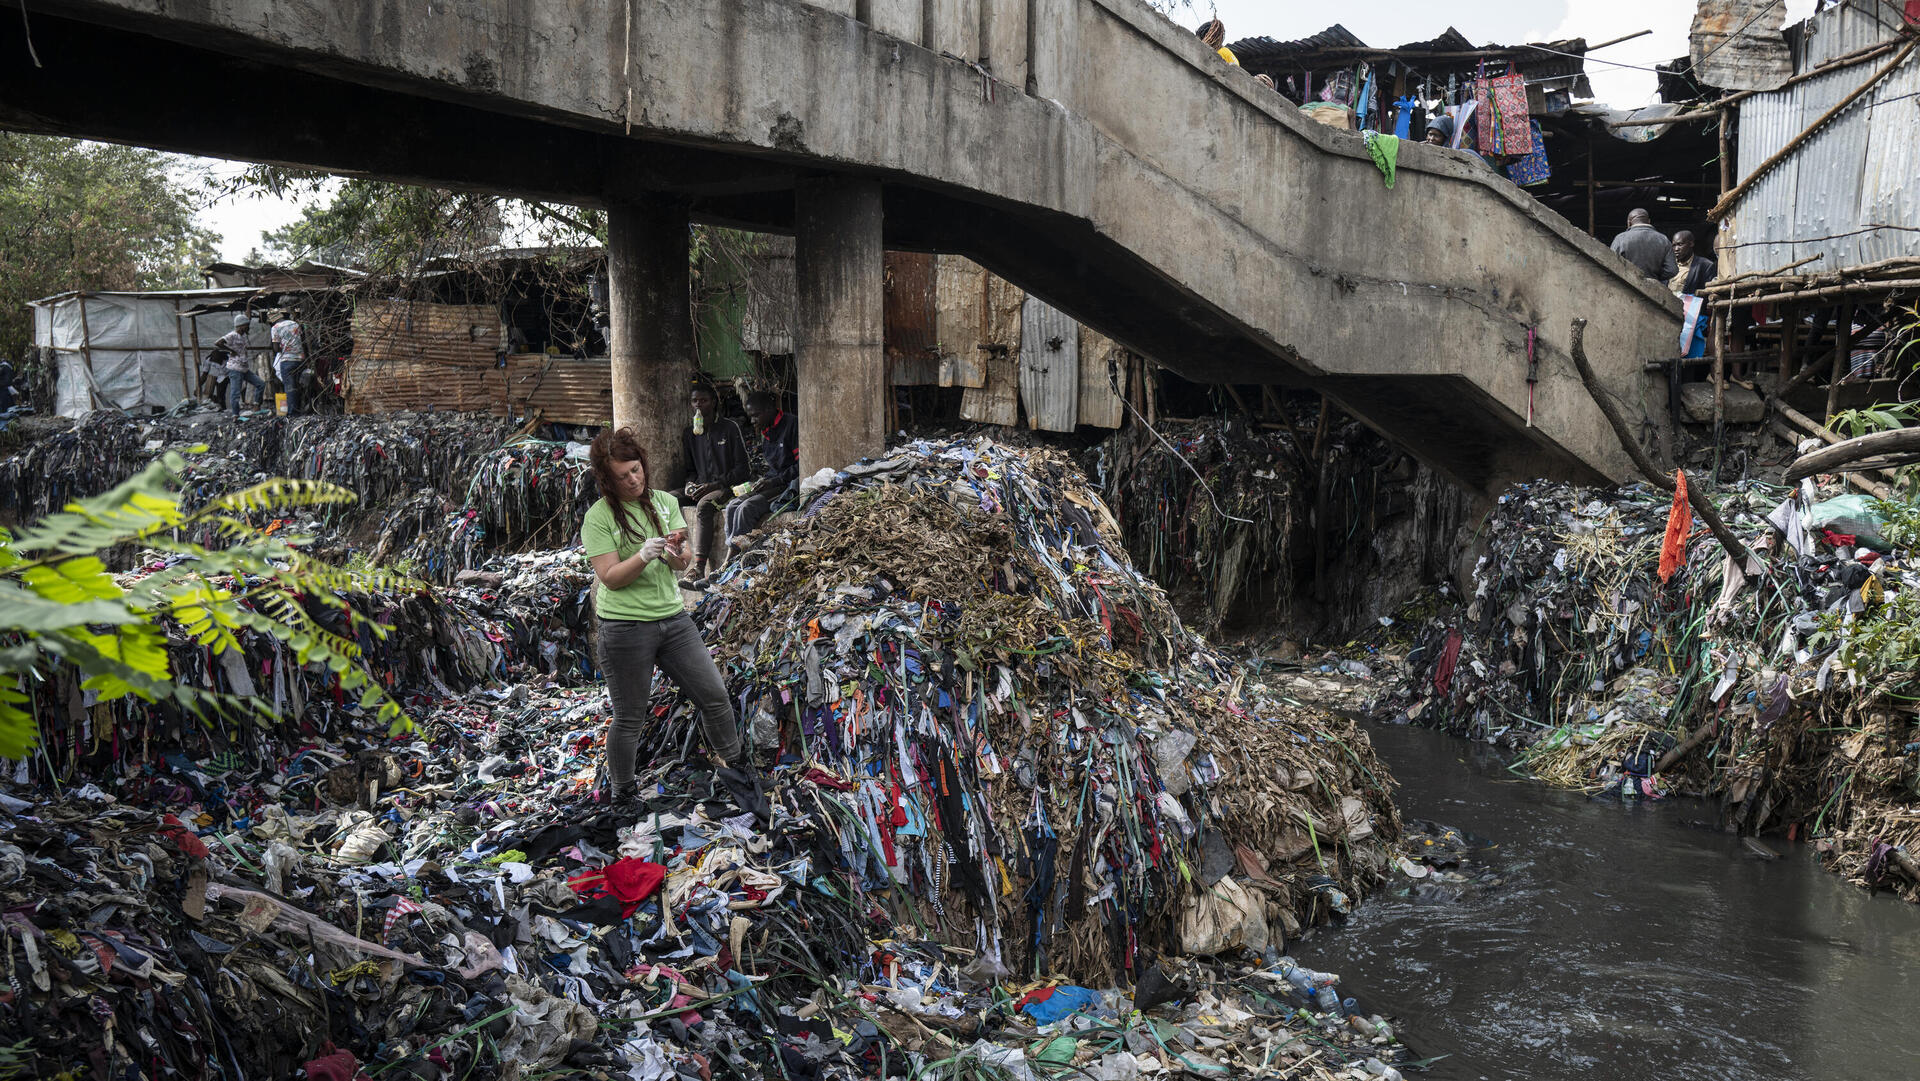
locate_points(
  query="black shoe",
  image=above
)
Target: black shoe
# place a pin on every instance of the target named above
(623, 796)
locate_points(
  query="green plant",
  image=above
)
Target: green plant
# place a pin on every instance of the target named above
(59, 604)
(1883, 642)
(1881, 417)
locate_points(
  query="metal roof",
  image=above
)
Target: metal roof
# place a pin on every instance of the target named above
(158, 294)
(1836, 195)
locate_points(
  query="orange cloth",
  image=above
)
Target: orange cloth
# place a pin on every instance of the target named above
(1673, 550)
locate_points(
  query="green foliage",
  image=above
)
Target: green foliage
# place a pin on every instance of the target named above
(1883, 417)
(1882, 644)
(394, 230)
(60, 605)
(78, 215)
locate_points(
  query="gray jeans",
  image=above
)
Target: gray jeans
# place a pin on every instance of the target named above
(629, 650)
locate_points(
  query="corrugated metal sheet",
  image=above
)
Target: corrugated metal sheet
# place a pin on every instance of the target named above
(1737, 44)
(1049, 366)
(1857, 172)
(1103, 363)
(913, 357)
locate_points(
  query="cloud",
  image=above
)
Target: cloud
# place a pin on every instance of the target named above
(1599, 20)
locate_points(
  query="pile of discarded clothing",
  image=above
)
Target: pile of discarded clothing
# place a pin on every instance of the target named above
(527, 495)
(384, 459)
(1024, 746)
(995, 757)
(1616, 645)
(1317, 526)
(439, 493)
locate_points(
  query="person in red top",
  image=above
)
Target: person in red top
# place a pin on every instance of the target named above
(779, 463)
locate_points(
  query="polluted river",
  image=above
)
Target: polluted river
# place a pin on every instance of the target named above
(1612, 940)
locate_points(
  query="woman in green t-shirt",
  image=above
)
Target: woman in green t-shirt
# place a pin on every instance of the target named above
(634, 537)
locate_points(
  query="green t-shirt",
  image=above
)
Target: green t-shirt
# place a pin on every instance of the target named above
(653, 595)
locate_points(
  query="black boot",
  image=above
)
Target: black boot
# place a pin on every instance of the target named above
(623, 795)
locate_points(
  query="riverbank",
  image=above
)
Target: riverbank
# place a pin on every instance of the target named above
(1616, 661)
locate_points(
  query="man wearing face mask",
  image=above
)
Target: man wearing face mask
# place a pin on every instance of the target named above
(716, 462)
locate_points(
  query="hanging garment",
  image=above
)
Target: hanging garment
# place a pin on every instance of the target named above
(1386, 152)
(1403, 117)
(1532, 169)
(1673, 549)
(1505, 127)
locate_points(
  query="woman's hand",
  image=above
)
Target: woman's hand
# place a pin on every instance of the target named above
(652, 549)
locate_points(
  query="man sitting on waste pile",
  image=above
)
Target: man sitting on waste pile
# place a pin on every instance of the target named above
(716, 462)
(779, 462)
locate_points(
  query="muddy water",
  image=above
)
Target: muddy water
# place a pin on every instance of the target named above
(1625, 943)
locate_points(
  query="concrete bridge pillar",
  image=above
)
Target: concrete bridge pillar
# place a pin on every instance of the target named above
(839, 322)
(650, 317)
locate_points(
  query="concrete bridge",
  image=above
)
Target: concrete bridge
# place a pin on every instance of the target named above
(1088, 150)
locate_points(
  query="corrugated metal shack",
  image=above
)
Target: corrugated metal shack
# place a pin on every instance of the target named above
(1849, 193)
(1819, 241)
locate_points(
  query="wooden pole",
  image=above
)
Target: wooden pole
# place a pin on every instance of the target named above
(1725, 285)
(1789, 327)
(86, 354)
(1593, 217)
(1696, 495)
(1720, 320)
(1726, 156)
(186, 382)
(1850, 288)
(1685, 747)
(1842, 352)
(1726, 202)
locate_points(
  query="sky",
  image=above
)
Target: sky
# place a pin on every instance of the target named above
(1376, 22)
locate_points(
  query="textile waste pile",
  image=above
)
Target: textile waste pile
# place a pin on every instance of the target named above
(1314, 526)
(962, 615)
(1620, 650)
(440, 493)
(994, 758)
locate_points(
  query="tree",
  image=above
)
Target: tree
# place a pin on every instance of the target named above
(393, 230)
(78, 215)
(59, 605)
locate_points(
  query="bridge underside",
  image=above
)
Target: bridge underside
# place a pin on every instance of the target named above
(142, 81)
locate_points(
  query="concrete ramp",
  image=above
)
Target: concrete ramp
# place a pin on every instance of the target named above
(1088, 150)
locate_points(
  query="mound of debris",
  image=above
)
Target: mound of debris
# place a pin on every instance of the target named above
(996, 758)
(1313, 527)
(1031, 744)
(1774, 687)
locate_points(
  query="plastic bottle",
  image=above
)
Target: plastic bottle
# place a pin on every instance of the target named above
(1315, 987)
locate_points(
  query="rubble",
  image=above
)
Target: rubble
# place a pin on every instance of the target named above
(999, 759)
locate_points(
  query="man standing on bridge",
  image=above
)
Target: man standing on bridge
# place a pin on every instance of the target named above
(1646, 247)
(1692, 271)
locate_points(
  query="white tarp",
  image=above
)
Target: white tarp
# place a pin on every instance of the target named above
(132, 350)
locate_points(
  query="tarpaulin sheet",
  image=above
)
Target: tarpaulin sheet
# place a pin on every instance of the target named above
(140, 349)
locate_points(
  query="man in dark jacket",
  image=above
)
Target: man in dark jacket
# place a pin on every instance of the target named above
(716, 462)
(1691, 271)
(779, 447)
(1646, 247)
